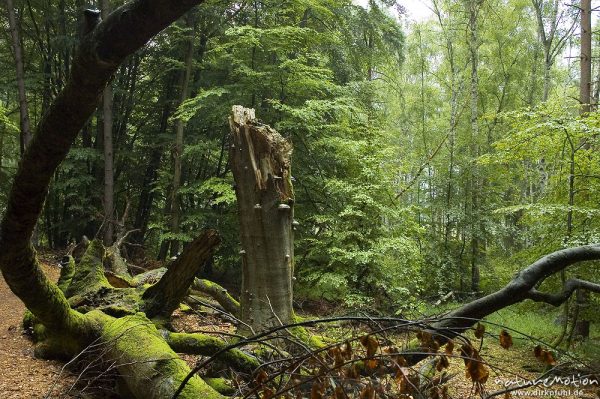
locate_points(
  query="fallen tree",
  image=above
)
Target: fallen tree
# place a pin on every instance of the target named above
(525, 285)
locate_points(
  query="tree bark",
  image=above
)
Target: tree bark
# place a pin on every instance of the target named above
(18, 54)
(473, 9)
(585, 80)
(581, 324)
(166, 295)
(107, 120)
(261, 165)
(179, 129)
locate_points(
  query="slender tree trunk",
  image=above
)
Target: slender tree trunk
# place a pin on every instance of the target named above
(569, 232)
(447, 26)
(531, 98)
(549, 36)
(596, 88)
(146, 198)
(581, 324)
(547, 77)
(261, 165)
(473, 8)
(18, 54)
(107, 121)
(585, 81)
(179, 129)
(1, 153)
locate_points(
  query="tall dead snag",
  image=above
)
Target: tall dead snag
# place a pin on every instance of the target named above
(261, 161)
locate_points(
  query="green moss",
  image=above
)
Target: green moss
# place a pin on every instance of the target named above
(150, 368)
(117, 311)
(29, 320)
(301, 333)
(221, 385)
(39, 332)
(206, 345)
(66, 274)
(57, 348)
(89, 273)
(184, 308)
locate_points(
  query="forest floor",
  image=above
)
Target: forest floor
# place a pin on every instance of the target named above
(515, 367)
(23, 376)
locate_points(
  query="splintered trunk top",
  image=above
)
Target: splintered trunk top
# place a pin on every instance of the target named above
(261, 165)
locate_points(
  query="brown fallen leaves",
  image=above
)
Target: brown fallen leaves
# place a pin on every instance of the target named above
(544, 356)
(474, 367)
(505, 339)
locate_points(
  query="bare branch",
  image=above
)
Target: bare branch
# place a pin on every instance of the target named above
(568, 289)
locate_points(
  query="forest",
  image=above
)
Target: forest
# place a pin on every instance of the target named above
(299, 199)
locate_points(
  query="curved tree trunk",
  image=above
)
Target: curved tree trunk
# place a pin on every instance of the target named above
(261, 165)
(523, 286)
(66, 326)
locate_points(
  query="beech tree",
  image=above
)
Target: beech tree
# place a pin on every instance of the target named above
(18, 55)
(261, 165)
(151, 371)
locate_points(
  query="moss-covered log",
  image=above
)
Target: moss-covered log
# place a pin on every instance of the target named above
(151, 370)
(218, 293)
(114, 320)
(206, 345)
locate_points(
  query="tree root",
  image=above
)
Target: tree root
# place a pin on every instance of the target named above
(206, 345)
(151, 370)
(218, 293)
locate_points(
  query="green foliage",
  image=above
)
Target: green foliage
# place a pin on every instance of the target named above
(190, 107)
(396, 196)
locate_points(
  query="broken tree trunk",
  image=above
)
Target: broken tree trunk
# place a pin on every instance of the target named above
(166, 295)
(261, 165)
(115, 319)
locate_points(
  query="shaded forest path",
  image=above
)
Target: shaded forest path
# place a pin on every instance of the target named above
(21, 374)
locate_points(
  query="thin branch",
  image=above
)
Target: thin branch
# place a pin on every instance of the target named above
(568, 289)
